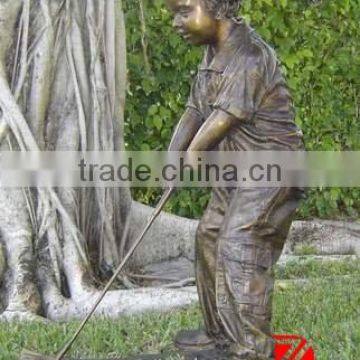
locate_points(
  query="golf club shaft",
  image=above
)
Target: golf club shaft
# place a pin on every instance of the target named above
(156, 212)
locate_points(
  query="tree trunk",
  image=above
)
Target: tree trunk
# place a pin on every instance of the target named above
(62, 87)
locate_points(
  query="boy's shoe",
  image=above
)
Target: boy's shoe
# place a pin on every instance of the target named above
(194, 340)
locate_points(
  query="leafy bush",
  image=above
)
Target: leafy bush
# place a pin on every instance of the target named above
(318, 44)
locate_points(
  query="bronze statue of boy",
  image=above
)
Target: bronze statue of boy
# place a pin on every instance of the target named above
(239, 101)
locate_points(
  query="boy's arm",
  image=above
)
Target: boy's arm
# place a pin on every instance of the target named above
(183, 135)
(185, 130)
(212, 131)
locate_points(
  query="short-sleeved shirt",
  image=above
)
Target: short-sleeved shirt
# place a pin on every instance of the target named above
(245, 80)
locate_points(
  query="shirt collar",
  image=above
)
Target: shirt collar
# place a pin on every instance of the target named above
(236, 39)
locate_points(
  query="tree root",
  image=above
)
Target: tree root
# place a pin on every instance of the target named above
(22, 316)
(123, 302)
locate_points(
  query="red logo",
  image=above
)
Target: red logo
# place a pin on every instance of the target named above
(292, 347)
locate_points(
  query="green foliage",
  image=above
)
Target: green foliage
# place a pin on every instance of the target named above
(318, 44)
(156, 100)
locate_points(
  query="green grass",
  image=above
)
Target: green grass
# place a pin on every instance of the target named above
(318, 269)
(305, 250)
(326, 311)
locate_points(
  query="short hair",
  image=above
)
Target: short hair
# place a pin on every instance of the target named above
(223, 8)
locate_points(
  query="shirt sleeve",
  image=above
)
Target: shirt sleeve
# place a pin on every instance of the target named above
(241, 86)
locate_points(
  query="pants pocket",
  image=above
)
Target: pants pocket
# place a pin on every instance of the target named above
(258, 255)
(252, 288)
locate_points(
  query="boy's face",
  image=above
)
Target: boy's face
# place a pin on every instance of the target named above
(193, 21)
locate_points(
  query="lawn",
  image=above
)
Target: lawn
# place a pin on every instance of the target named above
(326, 310)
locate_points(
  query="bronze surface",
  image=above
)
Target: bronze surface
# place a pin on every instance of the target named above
(239, 101)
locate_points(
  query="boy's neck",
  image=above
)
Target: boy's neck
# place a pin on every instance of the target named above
(223, 32)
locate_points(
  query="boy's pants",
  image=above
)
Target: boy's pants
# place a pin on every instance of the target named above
(239, 239)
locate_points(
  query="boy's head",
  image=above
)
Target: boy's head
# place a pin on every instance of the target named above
(197, 20)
